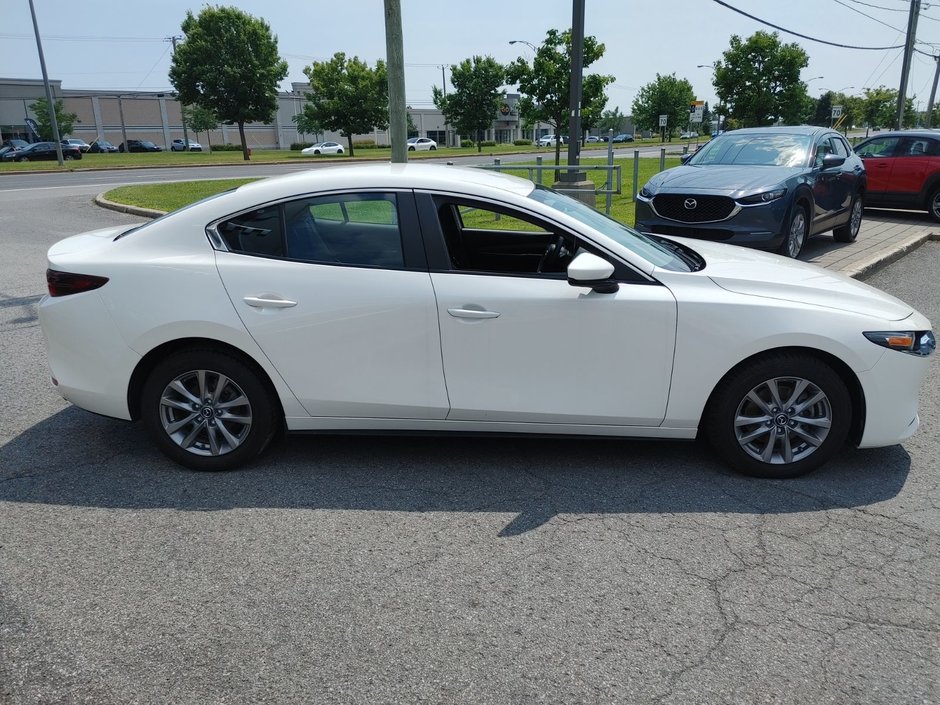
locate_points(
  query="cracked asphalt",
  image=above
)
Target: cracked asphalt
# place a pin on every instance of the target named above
(447, 570)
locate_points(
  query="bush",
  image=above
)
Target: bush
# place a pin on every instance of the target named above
(369, 144)
(467, 143)
(523, 143)
(488, 143)
(226, 148)
(297, 146)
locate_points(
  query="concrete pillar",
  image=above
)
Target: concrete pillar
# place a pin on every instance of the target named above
(165, 122)
(96, 111)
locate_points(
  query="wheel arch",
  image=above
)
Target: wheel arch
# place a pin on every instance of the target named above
(147, 363)
(852, 384)
(930, 185)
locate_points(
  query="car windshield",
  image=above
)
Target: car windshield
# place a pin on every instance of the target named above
(649, 249)
(755, 150)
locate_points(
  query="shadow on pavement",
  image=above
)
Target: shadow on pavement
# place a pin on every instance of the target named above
(76, 459)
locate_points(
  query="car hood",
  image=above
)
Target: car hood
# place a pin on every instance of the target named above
(721, 179)
(754, 273)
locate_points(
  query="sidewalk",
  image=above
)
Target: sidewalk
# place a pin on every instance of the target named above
(885, 236)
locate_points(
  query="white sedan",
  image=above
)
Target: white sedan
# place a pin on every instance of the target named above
(323, 148)
(417, 144)
(422, 298)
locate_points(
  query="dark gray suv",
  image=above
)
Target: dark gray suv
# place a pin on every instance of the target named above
(770, 188)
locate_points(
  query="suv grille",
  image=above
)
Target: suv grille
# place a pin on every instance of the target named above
(705, 209)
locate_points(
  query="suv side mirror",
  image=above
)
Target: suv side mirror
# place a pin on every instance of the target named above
(590, 270)
(831, 161)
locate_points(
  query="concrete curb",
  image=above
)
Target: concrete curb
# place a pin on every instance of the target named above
(100, 200)
(866, 268)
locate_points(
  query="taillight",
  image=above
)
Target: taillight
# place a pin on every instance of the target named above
(65, 283)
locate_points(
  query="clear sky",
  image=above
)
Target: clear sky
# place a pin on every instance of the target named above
(116, 45)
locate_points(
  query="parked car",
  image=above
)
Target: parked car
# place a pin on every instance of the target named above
(623, 137)
(327, 148)
(903, 170)
(550, 140)
(102, 146)
(75, 142)
(592, 138)
(139, 146)
(15, 143)
(421, 143)
(414, 313)
(688, 135)
(771, 188)
(42, 151)
(179, 145)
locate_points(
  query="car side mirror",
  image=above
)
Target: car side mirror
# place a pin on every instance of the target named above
(590, 270)
(832, 160)
(685, 157)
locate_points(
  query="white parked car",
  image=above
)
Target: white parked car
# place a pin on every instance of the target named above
(179, 145)
(549, 141)
(417, 144)
(382, 298)
(323, 148)
(688, 135)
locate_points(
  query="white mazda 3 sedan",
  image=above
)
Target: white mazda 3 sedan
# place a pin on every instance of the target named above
(432, 298)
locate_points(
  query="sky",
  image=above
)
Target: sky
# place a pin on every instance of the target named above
(112, 45)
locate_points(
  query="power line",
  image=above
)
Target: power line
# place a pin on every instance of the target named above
(71, 38)
(802, 36)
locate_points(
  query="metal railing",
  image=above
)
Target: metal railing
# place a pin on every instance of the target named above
(612, 185)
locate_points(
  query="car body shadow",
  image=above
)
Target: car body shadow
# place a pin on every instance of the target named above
(76, 459)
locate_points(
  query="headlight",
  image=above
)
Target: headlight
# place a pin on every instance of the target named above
(920, 342)
(764, 197)
(646, 193)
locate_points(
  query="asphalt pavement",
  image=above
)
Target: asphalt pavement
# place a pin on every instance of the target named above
(447, 570)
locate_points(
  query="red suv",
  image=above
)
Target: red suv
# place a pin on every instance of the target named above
(903, 170)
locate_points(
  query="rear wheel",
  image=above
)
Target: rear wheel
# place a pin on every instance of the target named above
(780, 416)
(411, 149)
(796, 232)
(207, 410)
(849, 231)
(433, 148)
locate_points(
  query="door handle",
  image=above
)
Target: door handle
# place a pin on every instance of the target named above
(268, 301)
(471, 313)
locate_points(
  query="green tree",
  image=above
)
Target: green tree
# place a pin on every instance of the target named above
(199, 120)
(410, 125)
(228, 63)
(879, 107)
(667, 95)
(612, 120)
(759, 80)
(307, 125)
(64, 120)
(546, 83)
(346, 96)
(472, 104)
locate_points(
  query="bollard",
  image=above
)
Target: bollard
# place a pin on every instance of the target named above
(636, 172)
(662, 159)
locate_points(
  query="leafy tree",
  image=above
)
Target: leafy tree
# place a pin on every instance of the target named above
(546, 84)
(879, 107)
(759, 80)
(410, 125)
(593, 100)
(307, 125)
(472, 104)
(667, 95)
(612, 120)
(199, 120)
(64, 120)
(228, 63)
(346, 96)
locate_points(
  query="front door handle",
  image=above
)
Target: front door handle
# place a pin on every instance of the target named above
(471, 313)
(268, 301)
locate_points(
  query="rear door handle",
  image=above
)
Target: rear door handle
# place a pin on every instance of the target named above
(268, 301)
(471, 313)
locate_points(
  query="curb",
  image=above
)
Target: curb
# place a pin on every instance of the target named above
(866, 268)
(100, 200)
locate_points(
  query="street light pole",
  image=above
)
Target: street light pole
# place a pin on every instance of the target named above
(574, 99)
(45, 81)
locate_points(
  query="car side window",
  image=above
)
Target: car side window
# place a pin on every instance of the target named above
(919, 147)
(879, 147)
(256, 232)
(484, 238)
(352, 229)
(839, 147)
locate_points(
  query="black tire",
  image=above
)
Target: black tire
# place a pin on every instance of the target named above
(316, 151)
(198, 431)
(411, 149)
(782, 441)
(339, 151)
(849, 231)
(793, 240)
(433, 149)
(933, 204)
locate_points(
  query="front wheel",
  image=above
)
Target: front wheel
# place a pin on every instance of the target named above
(849, 231)
(933, 204)
(339, 151)
(411, 149)
(207, 410)
(795, 236)
(433, 148)
(780, 416)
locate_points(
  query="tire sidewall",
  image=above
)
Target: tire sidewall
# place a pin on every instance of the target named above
(722, 409)
(263, 408)
(784, 250)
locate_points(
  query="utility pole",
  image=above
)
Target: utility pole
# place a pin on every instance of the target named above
(182, 112)
(908, 54)
(395, 58)
(933, 92)
(45, 81)
(574, 98)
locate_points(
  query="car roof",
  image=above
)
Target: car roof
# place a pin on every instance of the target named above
(386, 176)
(783, 130)
(935, 134)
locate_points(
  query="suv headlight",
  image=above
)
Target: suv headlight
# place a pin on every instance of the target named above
(921, 342)
(763, 197)
(646, 193)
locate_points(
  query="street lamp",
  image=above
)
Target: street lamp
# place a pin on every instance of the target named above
(523, 41)
(537, 126)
